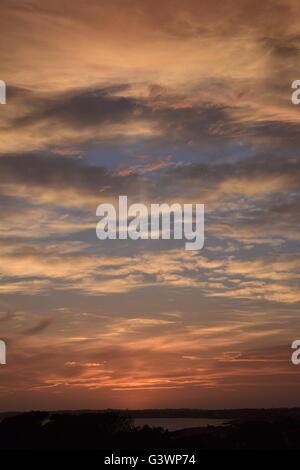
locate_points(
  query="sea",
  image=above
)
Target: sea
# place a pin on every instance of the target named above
(175, 424)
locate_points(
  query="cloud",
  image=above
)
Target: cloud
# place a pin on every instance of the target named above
(274, 277)
(143, 169)
(97, 95)
(39, 327)
(62, 181)
(191, 85)
(150, 362)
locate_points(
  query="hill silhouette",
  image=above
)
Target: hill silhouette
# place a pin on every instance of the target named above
(110, 430)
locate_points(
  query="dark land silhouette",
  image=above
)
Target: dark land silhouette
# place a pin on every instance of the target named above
(248, 429)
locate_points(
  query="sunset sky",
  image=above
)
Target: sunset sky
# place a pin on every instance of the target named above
(162, 101)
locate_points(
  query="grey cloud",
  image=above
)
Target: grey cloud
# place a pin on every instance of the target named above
(259, 166)
(207, 121)
(81, 108)
(36, 170)
(40, 326)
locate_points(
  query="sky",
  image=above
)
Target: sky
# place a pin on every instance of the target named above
(162, 101)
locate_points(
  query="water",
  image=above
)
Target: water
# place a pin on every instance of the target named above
(174, 424)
